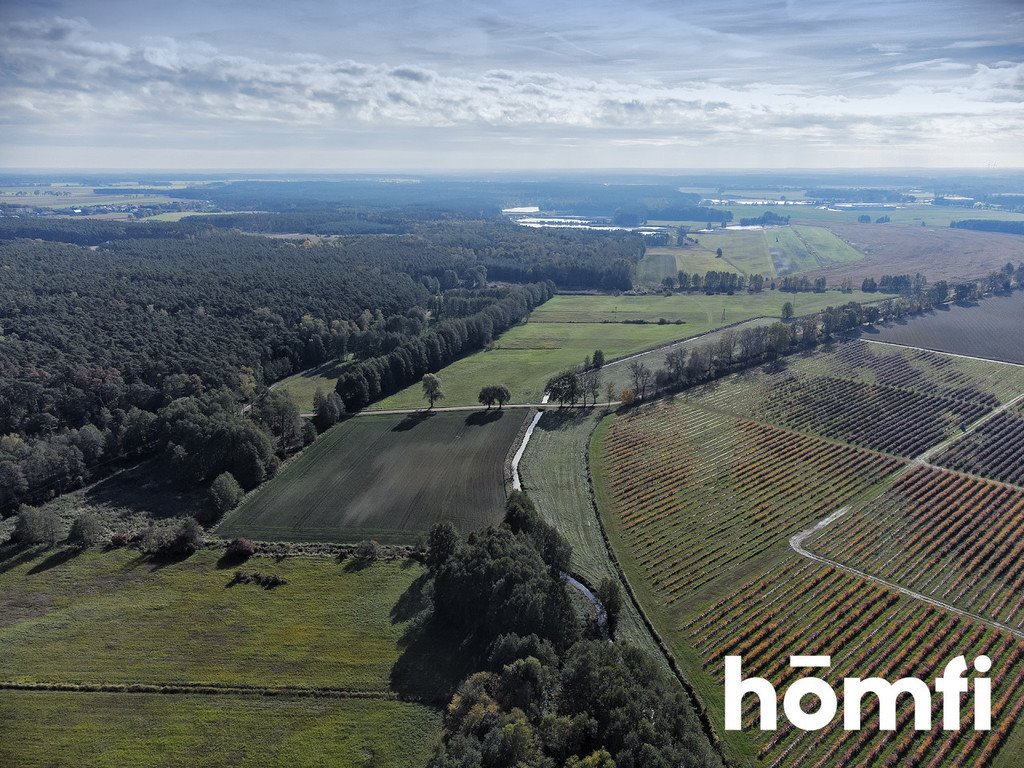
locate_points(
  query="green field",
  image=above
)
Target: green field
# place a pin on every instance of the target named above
(771, 252)
(106, 730)
(117, 617)
(388, 478)
(525, 357)
(566, 329)
(302, 386)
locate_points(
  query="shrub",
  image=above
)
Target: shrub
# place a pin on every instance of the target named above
(225, 493)
(367, 551)
(35, 526)
(120, 539)
(240, 549)
(265, 580)
(86, 531)
(173, 540)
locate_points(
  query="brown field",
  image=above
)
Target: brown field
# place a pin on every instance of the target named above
(989, 329)
(937, 253)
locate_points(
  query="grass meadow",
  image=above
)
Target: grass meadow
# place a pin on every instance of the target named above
(118, 618)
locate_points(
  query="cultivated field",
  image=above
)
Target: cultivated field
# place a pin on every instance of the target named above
(925, 534)
(388, 478)
(990, 329)
(701, 495)
(118, 618)
(697, 493)
(880, 397)
(995, 449)
(937, 253)
(770, 252)
(803, 607)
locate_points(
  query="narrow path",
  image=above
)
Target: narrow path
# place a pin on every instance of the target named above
(517, 484)
(796, 542)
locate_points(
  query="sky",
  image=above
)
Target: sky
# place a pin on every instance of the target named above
(462, 85)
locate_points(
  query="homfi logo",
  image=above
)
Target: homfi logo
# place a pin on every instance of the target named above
(951, 685)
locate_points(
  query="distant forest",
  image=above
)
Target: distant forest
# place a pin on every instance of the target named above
(990, 225)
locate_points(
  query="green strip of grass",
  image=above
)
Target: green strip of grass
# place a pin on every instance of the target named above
(41, 729)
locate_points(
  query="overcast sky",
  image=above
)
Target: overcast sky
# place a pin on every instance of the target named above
(450, 85)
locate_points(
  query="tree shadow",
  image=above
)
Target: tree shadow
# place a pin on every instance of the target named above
(556, 420)
(59, 557)
(435, 658)
(412, 421)
(332, 369)
(413, 602)
(481, 418)
(13, 555)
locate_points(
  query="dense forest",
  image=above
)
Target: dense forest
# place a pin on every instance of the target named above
(154, 346)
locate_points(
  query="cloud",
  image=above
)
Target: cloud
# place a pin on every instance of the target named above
(64, 80)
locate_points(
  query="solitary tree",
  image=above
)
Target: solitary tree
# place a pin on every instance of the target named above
(718, 253)
(787, 310)
(225, 492)
(598, 359)
(432, 388)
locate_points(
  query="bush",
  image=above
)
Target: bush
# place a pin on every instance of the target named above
(86, 531)
(367, 551)
(265, 580)
(120, 539)
(35, 526)
(225, 493)
(240, 549)
(175, 540)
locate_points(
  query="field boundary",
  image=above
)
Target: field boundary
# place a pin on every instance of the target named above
(209, 689)
(943, 352)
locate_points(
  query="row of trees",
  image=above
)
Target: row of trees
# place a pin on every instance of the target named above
(443, 343)
(714, 282)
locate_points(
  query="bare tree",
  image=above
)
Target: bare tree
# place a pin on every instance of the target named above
(609, 389)
(591, 386)
(642, 377)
